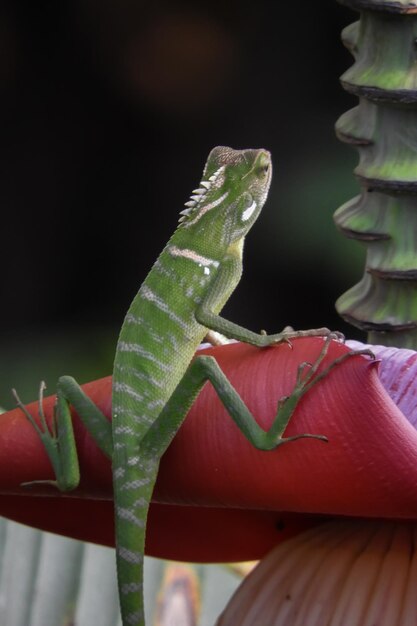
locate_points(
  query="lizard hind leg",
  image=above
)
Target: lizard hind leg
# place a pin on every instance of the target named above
(58, 448)
(58, 439)
(205, 368)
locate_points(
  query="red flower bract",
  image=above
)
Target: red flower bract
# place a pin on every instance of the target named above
(217, 498)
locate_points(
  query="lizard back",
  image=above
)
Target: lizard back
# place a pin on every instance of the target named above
(161, 332)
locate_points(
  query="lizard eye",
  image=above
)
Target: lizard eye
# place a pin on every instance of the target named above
(263, 170)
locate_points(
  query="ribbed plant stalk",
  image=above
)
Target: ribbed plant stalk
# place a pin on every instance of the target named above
(383, 128)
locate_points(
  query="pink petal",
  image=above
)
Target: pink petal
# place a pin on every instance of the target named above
(398, 375)
(344, 572)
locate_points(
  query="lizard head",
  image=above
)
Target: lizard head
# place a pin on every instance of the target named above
(231, 194)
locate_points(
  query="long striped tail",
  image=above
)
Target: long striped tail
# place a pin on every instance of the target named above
(133, 481)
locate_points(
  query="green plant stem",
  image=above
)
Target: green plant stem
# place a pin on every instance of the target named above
(383, 128)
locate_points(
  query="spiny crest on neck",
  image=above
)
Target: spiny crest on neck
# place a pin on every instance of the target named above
(198, 195)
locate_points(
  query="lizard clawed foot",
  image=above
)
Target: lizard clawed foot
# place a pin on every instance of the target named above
(22, 407)
(282, 337)
(337, 336)
(311, 377)
(283, 440)
(308, 375)
(36, 483)
(49, 439)
(288, 333)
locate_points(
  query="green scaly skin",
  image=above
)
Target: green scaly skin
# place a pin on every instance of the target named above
(155, 380)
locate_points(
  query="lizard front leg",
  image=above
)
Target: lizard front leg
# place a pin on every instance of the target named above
(206, 316)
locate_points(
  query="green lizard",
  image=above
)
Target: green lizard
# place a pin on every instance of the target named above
(155, 378)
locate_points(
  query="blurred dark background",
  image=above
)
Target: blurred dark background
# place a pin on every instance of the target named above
(108, 111)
